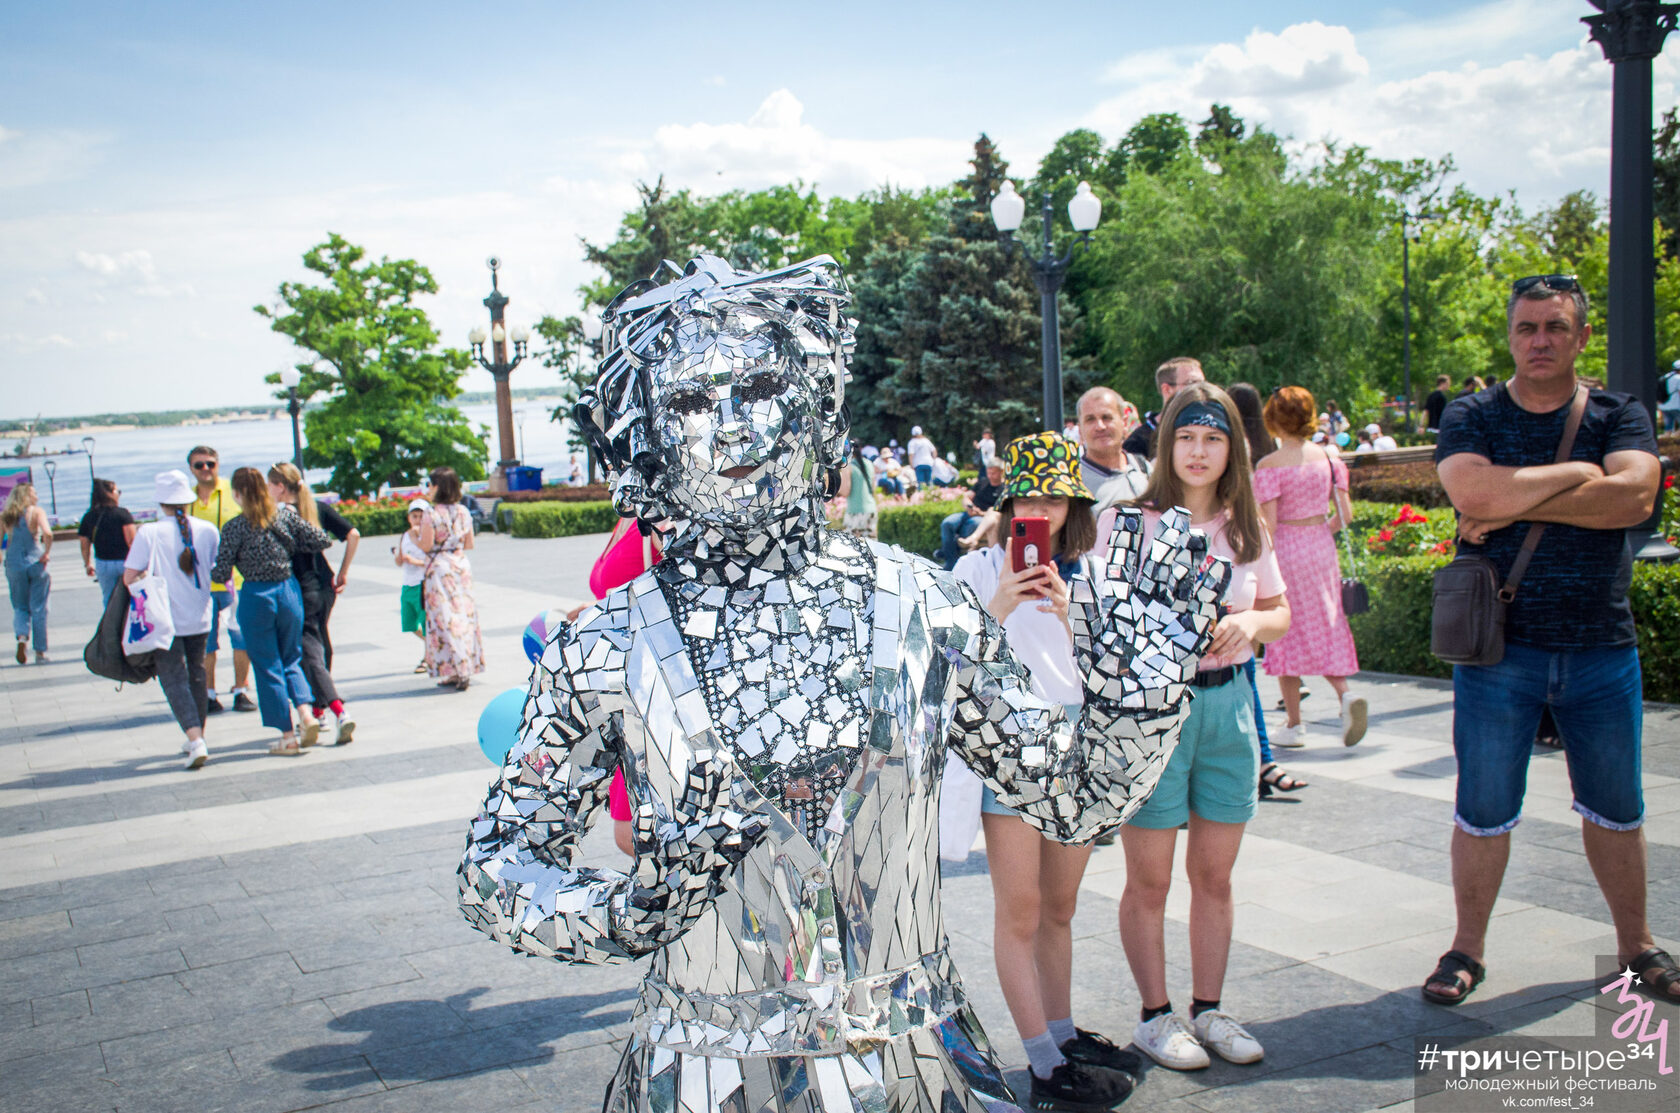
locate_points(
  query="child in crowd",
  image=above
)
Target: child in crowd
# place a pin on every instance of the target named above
(1211, 782)
(411, 558)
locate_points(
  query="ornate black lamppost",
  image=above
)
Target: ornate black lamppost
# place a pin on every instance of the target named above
(1408, 232)
(290, 377)
(1631, 33)
(87, 446)
(1048, 274)
(52, 488)
(500, 368)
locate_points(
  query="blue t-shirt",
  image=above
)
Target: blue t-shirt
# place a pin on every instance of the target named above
(1574, 595)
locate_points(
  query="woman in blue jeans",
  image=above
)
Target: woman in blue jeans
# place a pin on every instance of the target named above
(107, 530)
(260, 542)
(28, 540)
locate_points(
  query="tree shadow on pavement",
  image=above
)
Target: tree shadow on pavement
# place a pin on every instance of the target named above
(420, 1040)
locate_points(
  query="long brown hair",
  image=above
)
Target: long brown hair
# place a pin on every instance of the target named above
(287, 475)
(255, 503)
(1235, 491)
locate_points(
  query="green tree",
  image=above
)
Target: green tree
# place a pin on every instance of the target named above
(1665, 181)
(568, 354)
(387, 418)
(1153, 144)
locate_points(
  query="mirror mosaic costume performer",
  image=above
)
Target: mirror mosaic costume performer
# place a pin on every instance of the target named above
(781, 699)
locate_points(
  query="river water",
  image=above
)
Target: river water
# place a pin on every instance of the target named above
(133, 457)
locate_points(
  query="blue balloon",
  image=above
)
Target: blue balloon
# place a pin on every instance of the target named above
(538, 631)
(498, 724)
(1341, 440)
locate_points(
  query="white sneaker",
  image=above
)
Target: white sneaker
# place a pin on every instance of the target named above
(1168, 1040)
(346, 727)
(1354, 712)
(1231, 1040)
(197, 754)
(1289, 738)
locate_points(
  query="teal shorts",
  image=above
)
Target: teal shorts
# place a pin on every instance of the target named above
(413, 609)
(1215, 772)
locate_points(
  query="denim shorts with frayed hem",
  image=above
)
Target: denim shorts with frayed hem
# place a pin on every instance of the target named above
(1595, 696)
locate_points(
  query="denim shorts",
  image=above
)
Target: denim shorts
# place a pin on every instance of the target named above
(1595, 697)
(222, 601)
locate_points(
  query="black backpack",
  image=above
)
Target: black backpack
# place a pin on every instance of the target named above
(104, 654)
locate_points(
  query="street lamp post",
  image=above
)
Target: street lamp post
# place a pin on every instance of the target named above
(52, 488)
(500, 368)
(290, 377)
(1631, 33)
(87, 446)
(1049, 272)
(1408, 232)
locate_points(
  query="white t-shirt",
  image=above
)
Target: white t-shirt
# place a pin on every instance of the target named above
(1364, 446)
(1384, 443)
(922, 452)
(1249, 582)
(1670, 383)
(944, 470)
(413, 575)
(157, 545)
(1040, 640)
(988, 448)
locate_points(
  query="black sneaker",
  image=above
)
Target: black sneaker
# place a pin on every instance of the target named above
(1099, 1051)
(243, 702)
(1077, 1088)
(214, 706)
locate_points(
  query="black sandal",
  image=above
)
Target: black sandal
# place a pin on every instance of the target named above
(1273, 775)
(1659, 972)
(1452, 964)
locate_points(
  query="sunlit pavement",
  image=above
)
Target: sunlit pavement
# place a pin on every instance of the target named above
(279, 934)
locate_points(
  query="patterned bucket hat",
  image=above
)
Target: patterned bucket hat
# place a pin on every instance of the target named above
(1043, 464)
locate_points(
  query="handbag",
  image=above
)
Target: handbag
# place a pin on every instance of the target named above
(1467, 622)
(150, 625)
(104, 653)
(1356, 598)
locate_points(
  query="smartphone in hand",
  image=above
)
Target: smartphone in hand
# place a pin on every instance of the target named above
(1029, 542)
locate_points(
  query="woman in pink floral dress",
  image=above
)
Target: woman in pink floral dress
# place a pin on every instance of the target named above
(1294, 486)
(454, 647)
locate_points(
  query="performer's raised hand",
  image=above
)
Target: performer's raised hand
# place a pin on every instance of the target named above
(710, 824)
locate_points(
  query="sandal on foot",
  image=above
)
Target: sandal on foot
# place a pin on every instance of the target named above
(1447, 972)
(1657, 970)
(1273, 775)
(284, 749)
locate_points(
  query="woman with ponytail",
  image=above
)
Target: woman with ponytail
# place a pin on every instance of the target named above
(180, 550)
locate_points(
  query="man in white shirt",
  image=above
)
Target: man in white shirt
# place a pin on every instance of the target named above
(1110, 472)
(1380, 441)
(922, 453)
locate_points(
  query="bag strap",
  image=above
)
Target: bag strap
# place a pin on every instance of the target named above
(1531, 540)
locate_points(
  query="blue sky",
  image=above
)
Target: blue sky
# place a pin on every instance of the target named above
(163, 166)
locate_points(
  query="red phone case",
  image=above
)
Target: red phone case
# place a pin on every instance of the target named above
(1029, 542)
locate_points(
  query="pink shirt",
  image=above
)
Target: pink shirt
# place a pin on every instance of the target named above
(1259, 579)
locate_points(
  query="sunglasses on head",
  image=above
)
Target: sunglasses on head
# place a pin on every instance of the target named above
(200, 465)
(1558, 283)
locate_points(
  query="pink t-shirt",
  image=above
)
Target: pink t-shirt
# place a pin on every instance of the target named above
(1259, 579)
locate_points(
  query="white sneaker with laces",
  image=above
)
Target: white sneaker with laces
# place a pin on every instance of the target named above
(346, 727)
(1168, 1040)
(1231, 1040)
(197, 754)
(1354, 713)
(1289, 738)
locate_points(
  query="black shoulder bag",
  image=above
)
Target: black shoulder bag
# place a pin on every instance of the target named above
(1468, 623)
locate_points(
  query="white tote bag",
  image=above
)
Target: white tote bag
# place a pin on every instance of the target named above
(959, 809)
(150, 627)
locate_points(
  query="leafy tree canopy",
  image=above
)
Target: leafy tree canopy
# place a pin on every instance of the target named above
(386, 419)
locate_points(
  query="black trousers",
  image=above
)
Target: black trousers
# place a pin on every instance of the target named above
(318, 600)
(180, 673)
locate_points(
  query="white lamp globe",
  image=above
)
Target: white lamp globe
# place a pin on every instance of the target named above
(478, 335)
(1085, 209)
(521, 334)
(1008, 208)
(498, 334)
(290, 377)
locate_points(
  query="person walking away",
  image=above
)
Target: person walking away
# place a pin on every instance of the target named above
(1035, 880)
(412, 559)
(983, 496)
(1668, 408)
(454, 645)
(259, 542)
(1210, 782)
(1261, 443)
(1179, 371)
(180, 550)
(922, 453)
(319, 587)
(1570, 642)
(857, 487)
(106, 532)
(1303, 496)
(1111, 473)
(1436, 404)
(214, 502)
(28, 541)
(984, 449)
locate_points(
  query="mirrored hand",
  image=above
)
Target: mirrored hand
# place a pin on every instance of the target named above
(709, 825)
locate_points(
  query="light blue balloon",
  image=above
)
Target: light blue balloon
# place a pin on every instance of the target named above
(498, 724)
(1341, 440)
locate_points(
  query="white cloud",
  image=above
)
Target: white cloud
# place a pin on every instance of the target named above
(25, 344)
(137, 264)
(1303, 58)
(776, 145)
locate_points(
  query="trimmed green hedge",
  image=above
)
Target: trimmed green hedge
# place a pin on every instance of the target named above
(377, 520)
(562, 519)
(914, 528)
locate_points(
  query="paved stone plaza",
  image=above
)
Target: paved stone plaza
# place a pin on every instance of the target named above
(273, 934)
